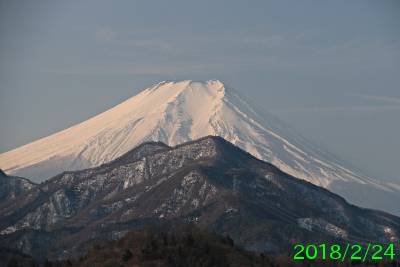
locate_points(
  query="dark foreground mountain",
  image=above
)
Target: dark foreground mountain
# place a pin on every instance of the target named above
(207, 182)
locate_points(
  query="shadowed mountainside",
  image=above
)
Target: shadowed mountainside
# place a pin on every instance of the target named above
(208, 182)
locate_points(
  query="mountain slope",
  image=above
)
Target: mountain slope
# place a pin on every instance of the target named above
(208, 182)
(174, 112)
(11, 187)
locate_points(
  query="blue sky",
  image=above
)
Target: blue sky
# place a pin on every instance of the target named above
(329, 68)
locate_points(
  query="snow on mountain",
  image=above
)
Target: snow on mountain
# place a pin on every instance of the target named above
(177, 111)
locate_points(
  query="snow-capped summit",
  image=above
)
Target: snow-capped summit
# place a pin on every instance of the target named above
(177, 111)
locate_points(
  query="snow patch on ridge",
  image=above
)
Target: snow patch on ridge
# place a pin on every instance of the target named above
(321, 225)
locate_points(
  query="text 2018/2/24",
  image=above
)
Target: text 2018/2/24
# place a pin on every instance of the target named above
(311, 252)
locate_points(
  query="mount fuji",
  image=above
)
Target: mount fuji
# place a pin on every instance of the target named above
(174, 112)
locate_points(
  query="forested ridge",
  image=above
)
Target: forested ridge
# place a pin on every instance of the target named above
(184, 245)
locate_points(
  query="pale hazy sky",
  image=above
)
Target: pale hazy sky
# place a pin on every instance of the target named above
(329, 68)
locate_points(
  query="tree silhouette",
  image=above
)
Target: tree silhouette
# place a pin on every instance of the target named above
(12, 263)
(127, 255)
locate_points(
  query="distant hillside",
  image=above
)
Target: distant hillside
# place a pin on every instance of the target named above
(12, 186)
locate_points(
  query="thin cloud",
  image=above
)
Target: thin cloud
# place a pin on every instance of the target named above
(108, 35)
(105, 34)
(379, 98)
(176, 68)
(334, 109)
(147, 44)
(271, 40)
